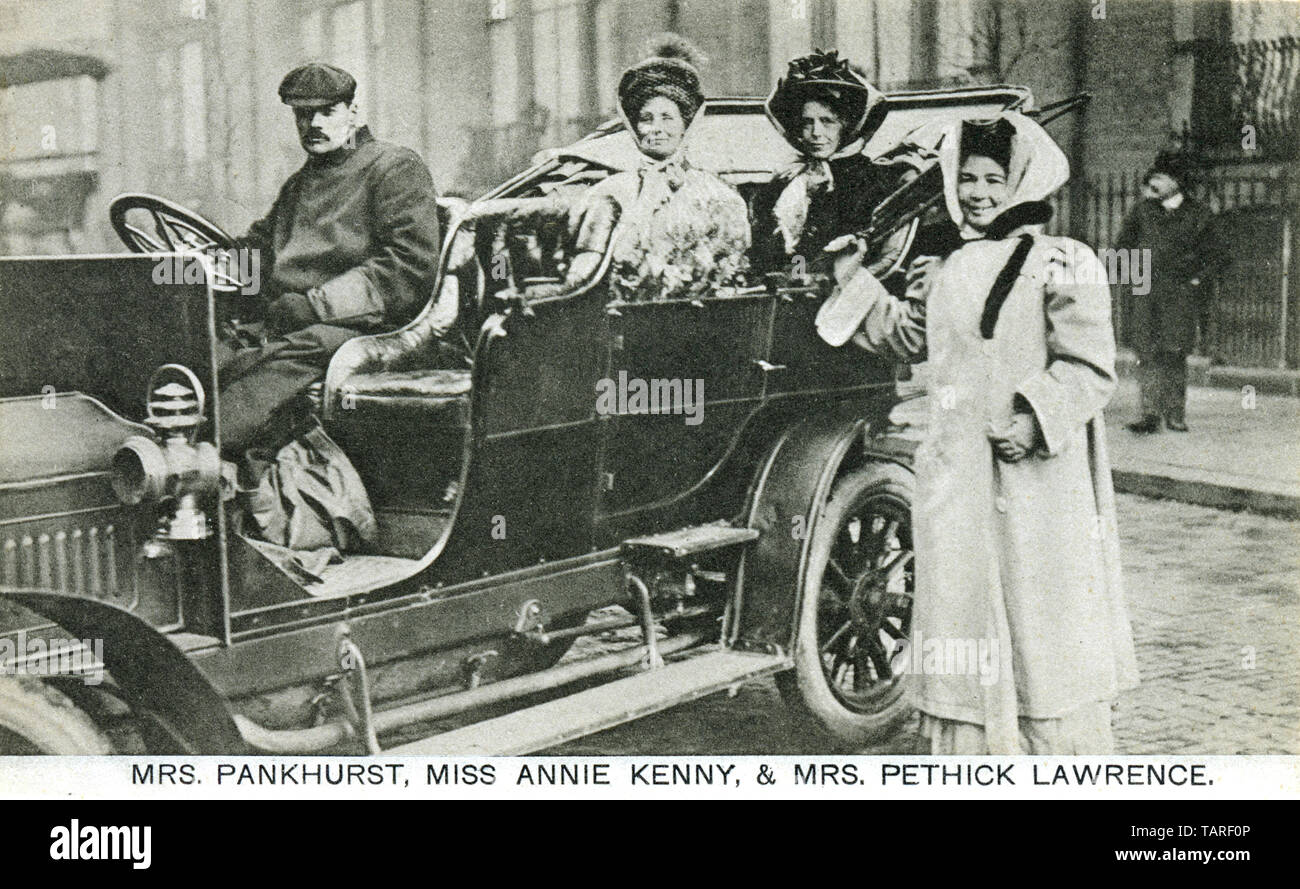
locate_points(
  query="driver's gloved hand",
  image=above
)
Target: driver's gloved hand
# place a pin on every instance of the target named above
(290, 312)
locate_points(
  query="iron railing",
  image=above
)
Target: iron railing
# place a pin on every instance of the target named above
(1246, 98)
(1254, 313)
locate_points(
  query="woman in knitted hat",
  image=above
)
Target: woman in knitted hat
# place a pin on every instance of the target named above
(826, 111)
(681, 232)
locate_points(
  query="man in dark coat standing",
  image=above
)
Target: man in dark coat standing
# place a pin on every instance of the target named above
(352, 245)
(1176, 229)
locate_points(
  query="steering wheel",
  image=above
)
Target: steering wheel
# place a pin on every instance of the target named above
(147, 223)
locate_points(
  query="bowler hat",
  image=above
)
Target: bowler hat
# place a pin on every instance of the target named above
(317, 84)
(1177, 165)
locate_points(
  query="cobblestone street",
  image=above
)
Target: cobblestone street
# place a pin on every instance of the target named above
(1214, 599)
(1216, 617)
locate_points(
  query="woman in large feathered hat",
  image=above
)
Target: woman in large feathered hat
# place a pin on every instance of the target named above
(680, 232)
(826, 110)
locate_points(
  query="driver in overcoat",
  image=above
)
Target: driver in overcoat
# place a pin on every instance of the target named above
(352, 246)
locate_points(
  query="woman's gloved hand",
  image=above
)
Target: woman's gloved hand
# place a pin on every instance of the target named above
(1015, 439)
(847, 252)
(920, 276)
(290, 312)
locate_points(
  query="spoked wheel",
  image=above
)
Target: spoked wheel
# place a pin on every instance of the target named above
(147, 223)
(849, 678)
(35, 719)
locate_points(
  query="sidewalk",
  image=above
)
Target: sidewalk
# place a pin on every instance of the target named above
(1200, 372)
(1235, 456)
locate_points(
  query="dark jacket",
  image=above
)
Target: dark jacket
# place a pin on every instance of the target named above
(859, 186)
(1183, 249)
(361, 225)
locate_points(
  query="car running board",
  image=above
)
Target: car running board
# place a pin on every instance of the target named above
(686, 542)
(605, 706)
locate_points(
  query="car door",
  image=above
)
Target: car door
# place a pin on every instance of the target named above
(800, 362)
(530, 488)
(661, 441)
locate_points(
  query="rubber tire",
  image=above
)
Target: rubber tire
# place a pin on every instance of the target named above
(38, 719)
(804, 687)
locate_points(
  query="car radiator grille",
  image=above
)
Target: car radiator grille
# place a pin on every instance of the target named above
(81, 561)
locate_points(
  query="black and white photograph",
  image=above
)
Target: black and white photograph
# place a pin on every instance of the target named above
(748, 397)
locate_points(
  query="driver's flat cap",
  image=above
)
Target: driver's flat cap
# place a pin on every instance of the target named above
(317, 84)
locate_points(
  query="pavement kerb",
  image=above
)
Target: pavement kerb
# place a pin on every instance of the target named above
(1200, 372)
(1186, 487)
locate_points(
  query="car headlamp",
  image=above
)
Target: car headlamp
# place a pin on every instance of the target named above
(171, 465)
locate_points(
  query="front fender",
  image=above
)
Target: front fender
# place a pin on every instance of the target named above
(785, 505)
(153, 674)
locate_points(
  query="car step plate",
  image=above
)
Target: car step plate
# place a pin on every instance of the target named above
(685, 542)
(605, 706)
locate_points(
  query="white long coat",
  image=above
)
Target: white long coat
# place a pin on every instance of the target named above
(1022, 553)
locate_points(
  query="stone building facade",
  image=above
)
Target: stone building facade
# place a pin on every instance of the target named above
(188, 106)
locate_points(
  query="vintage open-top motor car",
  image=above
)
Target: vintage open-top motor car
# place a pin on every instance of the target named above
(770, 537)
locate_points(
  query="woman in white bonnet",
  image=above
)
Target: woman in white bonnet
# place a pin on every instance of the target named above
(1016, 544)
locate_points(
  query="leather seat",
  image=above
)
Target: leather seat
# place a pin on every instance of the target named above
(432, 384)
(441, 392)
(405, 370)
(399, 402)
